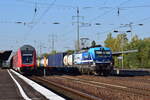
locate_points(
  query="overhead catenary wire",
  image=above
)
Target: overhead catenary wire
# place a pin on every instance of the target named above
(68, 6)
(113, 8)
(35, 12)
(119, 7)
(45, 4)
(39, 19)
(143, 19)
(27, 1)
(74, 7)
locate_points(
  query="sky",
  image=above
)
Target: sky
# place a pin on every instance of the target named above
(20, 24)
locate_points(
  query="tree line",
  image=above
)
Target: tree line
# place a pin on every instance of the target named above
(140, 59)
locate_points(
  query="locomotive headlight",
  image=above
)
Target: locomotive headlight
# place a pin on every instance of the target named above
(111, 63)
(94, 63)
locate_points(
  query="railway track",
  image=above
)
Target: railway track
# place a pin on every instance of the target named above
(141, 83)
(142, 79)
(129, 82)
(81, 88)
(128, 89)
(65, 91)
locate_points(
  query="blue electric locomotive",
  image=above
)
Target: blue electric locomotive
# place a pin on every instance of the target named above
(96, 60)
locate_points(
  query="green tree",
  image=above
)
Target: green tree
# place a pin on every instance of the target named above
(70, 51)
(110, 41)
(45, 55)
(53, 52)
(133, 60)
(140, 59)
(144, 53)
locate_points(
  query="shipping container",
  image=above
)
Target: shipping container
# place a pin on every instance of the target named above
(65, 60)
(56, 60)
(68, 60)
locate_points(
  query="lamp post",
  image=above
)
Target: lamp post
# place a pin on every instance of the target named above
(122, 43)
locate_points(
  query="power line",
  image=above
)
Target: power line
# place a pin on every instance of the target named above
(143, 19)
(40, 18)
(113, 8)
(70, 6)
(35, 12)
(142, 6)
(44, 13)
(101, 15)
(45, 4)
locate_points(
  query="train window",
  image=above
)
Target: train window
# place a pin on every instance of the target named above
(99, 52)
(27, 59)
(107, 52)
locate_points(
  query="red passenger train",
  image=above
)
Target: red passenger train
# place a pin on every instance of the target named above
(25, 59)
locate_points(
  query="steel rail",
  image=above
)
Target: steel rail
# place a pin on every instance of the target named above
(66, 91)
(138, 91)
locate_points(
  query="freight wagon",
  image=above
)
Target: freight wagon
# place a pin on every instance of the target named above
(95, 60)
(56, 60)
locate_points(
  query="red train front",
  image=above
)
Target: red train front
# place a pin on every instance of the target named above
(25, 59)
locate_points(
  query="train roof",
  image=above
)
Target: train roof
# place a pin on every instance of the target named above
(99, 48)
(27, 47)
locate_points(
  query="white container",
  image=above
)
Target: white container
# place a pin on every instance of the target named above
(65, 60)
(70, 60)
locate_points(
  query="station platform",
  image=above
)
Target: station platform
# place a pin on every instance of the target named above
(8, 89)
(13, 87)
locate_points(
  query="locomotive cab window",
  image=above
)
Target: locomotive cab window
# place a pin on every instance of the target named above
(27, 58)
(99, 53)
(107, 53)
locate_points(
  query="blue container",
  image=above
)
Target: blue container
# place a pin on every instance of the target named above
(56, 60)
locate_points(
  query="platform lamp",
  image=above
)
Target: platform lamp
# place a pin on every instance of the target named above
(116, 31)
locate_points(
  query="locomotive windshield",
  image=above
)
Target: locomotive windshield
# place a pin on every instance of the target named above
(101, 53)
(27, 58)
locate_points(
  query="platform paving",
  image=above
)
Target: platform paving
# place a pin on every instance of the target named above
(8, 89)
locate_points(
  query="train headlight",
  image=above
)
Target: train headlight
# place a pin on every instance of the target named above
(94, 63)
(111, 63)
